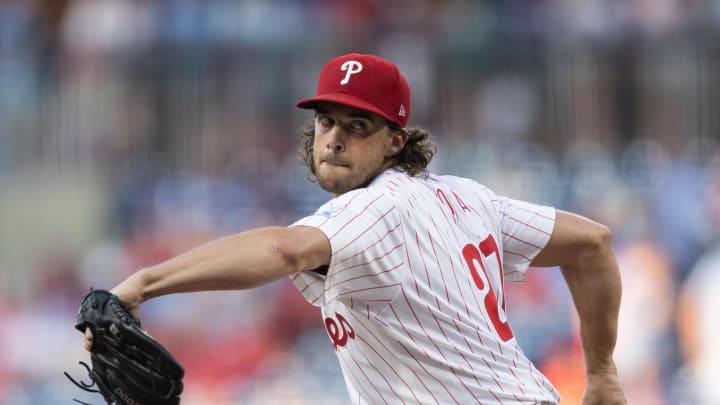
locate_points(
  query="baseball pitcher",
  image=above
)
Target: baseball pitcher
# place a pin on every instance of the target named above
(408, 267)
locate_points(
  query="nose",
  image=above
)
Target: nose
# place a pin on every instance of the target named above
(335, 140)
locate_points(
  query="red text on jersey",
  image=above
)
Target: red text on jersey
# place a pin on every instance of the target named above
(445, 200)
(473, 255)
(339, 330)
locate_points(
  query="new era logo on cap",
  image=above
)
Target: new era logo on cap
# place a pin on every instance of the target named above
(363, 81)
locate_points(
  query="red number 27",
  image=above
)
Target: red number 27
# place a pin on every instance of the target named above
(472, 255)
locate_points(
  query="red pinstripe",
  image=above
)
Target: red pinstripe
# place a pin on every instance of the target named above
(427, 274)
(458, 243)
(521, 240)
(461, 355)
(452, 369)
(354, 266)
(535, 213)
(362, 370)
(440, 269)
(532, 374)
(363, 289)
(407, 333)
(526, 224)
(402, 324)
(365, 230)
(516, 254)
(428, 336)
(422, 327)
(351, 370)
(381, 321)
(463, 336)
(327, 218)
(409, 263)
(361, 251)
(454, 271)
(495, 374)
(367, 360)
(379, 342)
(487, 212)
(377, 300)
(442, 330)
(389, 366)
(365, 275)
(519, 381)
(355, 217)
(428, 373)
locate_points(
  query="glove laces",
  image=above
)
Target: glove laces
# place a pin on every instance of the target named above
(85, 386)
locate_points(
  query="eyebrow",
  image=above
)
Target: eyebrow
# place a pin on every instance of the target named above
(355, 113)
(361, 114)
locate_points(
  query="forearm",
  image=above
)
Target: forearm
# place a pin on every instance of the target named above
(241, 261)
(595, 286)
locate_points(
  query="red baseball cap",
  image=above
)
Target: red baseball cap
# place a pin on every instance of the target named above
(367, 82)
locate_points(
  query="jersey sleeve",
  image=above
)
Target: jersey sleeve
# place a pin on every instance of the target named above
(368, 254)
(526, 229)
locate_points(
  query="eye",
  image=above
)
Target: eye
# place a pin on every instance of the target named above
(359, 125)
(325, 121)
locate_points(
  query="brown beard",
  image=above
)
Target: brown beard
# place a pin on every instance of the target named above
(360, 175)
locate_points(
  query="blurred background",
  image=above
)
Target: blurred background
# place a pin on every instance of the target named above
(133, 130)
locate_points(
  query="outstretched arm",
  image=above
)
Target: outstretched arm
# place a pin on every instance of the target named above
(582, 248)
(241, 261)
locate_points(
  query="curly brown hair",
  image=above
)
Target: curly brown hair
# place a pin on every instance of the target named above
(413, 159)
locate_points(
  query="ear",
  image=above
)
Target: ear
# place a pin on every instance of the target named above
(397, 142)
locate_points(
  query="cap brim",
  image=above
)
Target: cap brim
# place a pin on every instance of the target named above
(344, 99)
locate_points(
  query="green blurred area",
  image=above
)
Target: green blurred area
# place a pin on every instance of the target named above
(42, 214)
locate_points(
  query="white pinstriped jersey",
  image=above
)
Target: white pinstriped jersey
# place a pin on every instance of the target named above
(413, 297)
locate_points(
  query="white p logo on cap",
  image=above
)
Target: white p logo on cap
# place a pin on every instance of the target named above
(352, 67)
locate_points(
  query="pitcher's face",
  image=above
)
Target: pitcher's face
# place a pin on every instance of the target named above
(351, 147)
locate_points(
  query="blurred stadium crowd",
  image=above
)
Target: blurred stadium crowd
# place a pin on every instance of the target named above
(132, 130)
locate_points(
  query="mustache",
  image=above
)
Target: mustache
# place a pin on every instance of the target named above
(334, 160)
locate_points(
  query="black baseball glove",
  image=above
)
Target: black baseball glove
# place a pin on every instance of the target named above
(128, 365)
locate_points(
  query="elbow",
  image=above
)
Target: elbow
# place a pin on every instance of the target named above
(599, 237)
(574, 240)
(286, 254)
(300, 248)
(595, 245)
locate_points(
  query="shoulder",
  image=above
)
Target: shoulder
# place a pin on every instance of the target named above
(360, 197)
(464, 186)
(361, 201)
